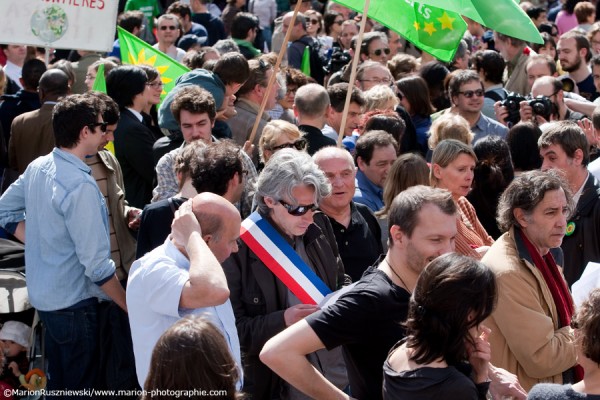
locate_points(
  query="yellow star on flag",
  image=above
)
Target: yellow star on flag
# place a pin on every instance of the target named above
(416, 25)
(446, 21)
(429, 28)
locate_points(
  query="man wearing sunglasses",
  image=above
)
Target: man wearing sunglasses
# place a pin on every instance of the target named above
(168, 31)
(375, 47)
(467, 96)
(69, 265)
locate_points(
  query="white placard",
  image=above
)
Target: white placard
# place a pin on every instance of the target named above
(60, 24)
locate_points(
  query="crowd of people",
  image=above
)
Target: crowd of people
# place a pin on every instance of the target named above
(191, 240)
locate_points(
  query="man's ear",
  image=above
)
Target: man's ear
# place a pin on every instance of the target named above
(397, 235)
(578, 156)
(519, 215)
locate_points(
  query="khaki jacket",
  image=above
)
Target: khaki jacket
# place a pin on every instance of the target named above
(526, 339)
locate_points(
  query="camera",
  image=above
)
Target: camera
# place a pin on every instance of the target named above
(512, 103)
(541, 106)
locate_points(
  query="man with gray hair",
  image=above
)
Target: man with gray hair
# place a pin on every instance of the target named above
(564, 146)
(516, 53)
(289, 190)
(311, 109)
(531, 336)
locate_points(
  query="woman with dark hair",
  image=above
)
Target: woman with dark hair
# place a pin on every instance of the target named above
(586, 323)
(332, 21)
(155, 88)
(493, 172)
(388, 121)
(445, 354)
(192, 354)
(522, 141)
(414, 97)
(128, 86)
(435, 73)
(548, 47)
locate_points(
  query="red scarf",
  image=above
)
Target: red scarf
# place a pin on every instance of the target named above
(557, 285)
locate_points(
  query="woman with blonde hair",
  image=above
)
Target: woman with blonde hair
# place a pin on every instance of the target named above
(449, 126)
(452, 168)
(277, 135)
(380, 97)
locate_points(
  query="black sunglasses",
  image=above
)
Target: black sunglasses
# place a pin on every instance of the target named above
(379, 51)
(169, 27)
(470, 93)
(102, 125)
(299, 144)
(297, 211)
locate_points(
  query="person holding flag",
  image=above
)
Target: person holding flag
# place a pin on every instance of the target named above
(285, 266)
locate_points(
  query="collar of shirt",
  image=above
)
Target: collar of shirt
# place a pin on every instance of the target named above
(173, 252)
(364, 183)
(137, 114)
(73, 159)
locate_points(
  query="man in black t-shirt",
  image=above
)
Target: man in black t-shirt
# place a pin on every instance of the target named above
(366, 320)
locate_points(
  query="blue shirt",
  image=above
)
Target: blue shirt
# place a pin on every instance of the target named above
(486, 126)
(367, 192)
(67, 250)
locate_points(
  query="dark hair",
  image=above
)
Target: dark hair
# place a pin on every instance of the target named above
(583, 10)
(368, 38)
(337, 96)
(526, 191)
(587, 321)
(402, 65)
(522, 141)
(459, 78)
(111, 113)
(493, 173)
(257, 76)
(454, 293)
(581, 42)
(492, 64)
(548, 27)
(569, 6)
(243, 22)
(130, 20)
(404, 211)
(71, 114)
(216, 167)
(193, 59)
(435, 73)
(329, 19)
(180, 9)
(192, 354)
(32, 72)
(569, 136)
(232, 68)
(124, 83)
(415, 91)
(151, 72)
(366, 144)
(388, 121)
(54, 82)
(195, 100)
(408, 170)
(547, 39)
(535, 12)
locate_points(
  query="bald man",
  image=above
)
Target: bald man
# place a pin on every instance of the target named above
(184, 276)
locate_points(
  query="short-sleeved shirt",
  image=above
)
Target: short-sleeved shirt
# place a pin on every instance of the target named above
(366, 321)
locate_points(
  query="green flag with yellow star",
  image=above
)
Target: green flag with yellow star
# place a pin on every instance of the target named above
(136, 51)
(432, 29)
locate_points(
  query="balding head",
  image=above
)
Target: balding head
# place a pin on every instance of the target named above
(332, 153)
(311, 101)
(220, 223)
(54, 83)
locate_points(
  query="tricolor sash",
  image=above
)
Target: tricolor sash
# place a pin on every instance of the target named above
(282, 260)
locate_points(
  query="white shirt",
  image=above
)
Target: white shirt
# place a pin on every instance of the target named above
(13, 71)
(153, 292)
(594, 168)
(174, 52)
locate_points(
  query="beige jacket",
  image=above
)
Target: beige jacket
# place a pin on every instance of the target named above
(525, 338)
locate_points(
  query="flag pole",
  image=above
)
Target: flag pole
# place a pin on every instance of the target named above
(263, 104)
(357, 46)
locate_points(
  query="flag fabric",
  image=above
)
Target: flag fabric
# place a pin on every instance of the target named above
(135, 51)
(432, 29)
(504, 16)
(282, 260)
(100, 81)
(305, 65)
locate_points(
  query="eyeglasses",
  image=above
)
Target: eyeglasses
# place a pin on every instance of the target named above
(299, 144)
(378, 52)
(297, 211)
(102, 125)
(88, 76)
(169, 27)
(155, 85)
(378, 81)
(470, 93)
(340, 22)
(313, 21)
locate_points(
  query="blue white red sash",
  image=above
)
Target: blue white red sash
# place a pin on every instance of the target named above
(282, 260)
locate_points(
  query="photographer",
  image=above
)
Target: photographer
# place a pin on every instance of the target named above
(554, 109)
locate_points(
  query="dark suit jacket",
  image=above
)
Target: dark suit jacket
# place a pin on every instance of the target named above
(133, 149)
(32, 136)
(259, 299)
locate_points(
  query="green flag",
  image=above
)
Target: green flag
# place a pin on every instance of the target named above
(305, 65)
(432, 29)
(504, 16)
(100, 82)
(136, 51)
